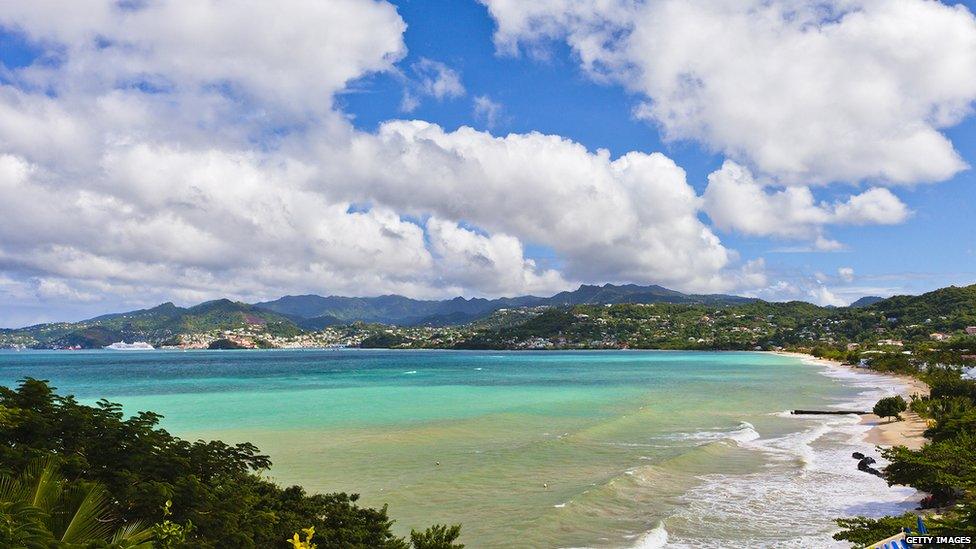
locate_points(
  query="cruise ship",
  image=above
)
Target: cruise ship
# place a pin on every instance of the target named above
(134, 346)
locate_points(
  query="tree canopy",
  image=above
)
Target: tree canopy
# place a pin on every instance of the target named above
(218, 497)
(945, 467)
(890, 406)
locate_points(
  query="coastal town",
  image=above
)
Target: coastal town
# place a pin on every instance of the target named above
(898, 326)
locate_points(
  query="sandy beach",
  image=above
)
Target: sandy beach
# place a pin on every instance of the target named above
(907, 432)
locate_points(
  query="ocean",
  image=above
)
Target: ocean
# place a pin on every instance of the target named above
(527, 449)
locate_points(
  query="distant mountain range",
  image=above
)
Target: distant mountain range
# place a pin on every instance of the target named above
(316, 312)
(157, 324)
(866, 301)
(291, 315)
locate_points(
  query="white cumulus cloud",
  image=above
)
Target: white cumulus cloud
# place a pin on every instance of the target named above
(487, 110)
(630, 218)
(807, 92)
(191, 150)
(736, 201)
(496, 263)
(432, 79)
(194, 150)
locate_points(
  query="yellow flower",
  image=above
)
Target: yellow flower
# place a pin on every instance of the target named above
(297, 543)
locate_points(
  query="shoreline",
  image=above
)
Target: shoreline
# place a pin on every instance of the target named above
(907, 432)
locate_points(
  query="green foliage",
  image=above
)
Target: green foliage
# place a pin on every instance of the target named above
(945, 469)
(920, 404)
(383, 340)
(438, 536)
(168, 534)
(890, 406)
(893, 362)
(862, 531)
(953, 303)
(831, 353)
(953, 417)
(218, 499)
(157, 325)
(224, 344)
(22, 525)
(40, 506)
(951, 386)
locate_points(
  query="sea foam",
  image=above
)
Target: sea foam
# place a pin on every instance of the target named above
(810, 476)
(653, 539)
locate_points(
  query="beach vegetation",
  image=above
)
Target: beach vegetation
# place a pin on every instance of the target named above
(128, 468)
(944, 467)
(438, 536)
(950, 418)
(895, 363)
(863, 531)
(890, 407)
(168, 534)
(40, 508)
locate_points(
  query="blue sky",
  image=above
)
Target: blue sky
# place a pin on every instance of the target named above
(252, 168)
(934, 248)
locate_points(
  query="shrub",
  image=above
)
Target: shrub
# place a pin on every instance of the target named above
(890, 407)
(862, 531)
(438, 536)
(218, 498)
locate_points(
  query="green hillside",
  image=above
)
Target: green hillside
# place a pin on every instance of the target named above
(793, 324)
(954, 307)
(156, 325)
(728, 323)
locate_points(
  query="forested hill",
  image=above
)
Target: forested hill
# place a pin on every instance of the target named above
(159, 324)
(956, 304)
(591, 317)
(291, 315)
(866, 301)
(314, 311)
(938, 315)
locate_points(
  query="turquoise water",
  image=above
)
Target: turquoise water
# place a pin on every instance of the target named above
(541, 449)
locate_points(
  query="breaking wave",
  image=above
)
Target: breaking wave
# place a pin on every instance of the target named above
(808, 477)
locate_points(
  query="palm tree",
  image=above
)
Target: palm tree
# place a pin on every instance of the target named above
(41, 504)
(21, 526)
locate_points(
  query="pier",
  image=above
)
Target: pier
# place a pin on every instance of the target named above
(828, 412)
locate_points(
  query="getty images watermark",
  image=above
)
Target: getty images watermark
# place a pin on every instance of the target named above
(928, 540)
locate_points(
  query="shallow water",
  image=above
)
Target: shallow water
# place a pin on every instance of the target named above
(540, 449)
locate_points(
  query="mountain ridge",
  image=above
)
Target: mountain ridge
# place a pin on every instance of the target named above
(400, 310)
(347, 320)
(159, 323)
(866, 301)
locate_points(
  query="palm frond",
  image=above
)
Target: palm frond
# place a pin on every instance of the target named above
(23, 526)
(133, 536)
(88, 513)
(11, 489)
(44, 484)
